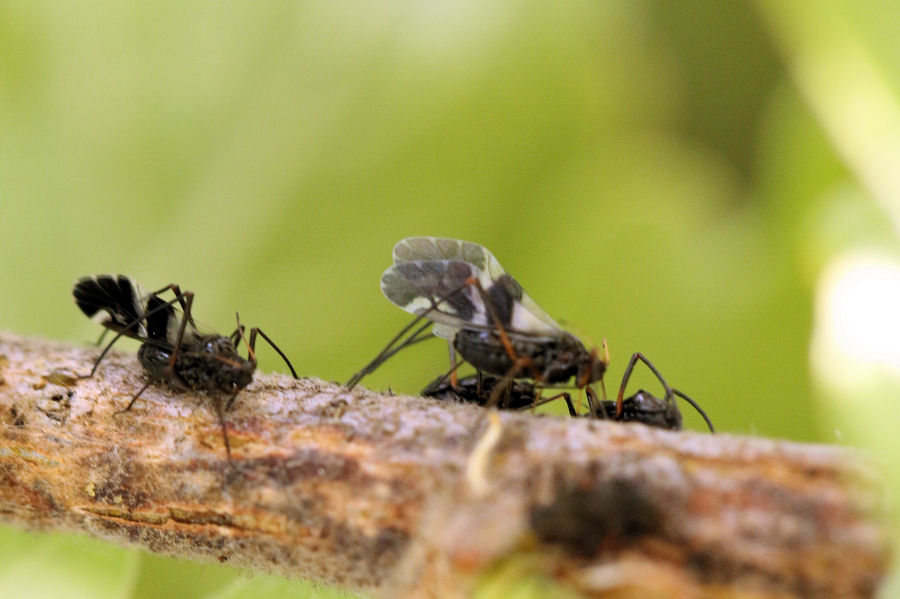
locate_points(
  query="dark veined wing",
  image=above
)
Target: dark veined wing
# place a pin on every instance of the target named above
(413, 249)
(429, 276)
(118, 303)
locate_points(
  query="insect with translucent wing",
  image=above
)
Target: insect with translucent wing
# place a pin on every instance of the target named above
(641, 407)
(173, 351)
(461, 289)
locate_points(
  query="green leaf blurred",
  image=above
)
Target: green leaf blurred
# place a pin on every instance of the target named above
(673, 177)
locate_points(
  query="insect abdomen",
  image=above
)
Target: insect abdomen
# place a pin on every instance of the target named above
(547, 360)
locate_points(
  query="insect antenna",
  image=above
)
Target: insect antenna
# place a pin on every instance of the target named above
(238, 335)
(696, 407)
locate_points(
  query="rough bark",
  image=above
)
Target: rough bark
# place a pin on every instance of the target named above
(403, 496)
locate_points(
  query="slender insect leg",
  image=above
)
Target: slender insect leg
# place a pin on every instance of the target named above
(121, 333)
(594, 402)
(443, 378)
(230, 401)
(634, 358)
(237, 335)
(520, 363)
(389, 350)
(507, 395)
(185, 318)
(454, 378)
(507, 381)
(135, 398)
(252, 346)
(544, 400)
(221, 414)
(696, 407)
(100, 338)
(489, 304)
(420, 334)
(180, 297)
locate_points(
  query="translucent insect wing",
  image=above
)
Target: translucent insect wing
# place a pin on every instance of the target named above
(488, 270)
(419, 249)
(421, 287)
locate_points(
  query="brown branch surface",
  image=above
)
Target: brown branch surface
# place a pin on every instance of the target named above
(402, 496)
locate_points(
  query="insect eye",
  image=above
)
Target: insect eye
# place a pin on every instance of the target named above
(215, 346)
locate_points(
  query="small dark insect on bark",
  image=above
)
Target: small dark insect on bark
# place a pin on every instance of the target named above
(173, 352)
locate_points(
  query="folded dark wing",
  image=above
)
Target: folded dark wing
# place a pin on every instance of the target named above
(118, 303)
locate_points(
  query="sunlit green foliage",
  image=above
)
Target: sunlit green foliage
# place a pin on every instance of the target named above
(673, 177)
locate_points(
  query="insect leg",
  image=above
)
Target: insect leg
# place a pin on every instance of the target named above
(506, 382)
(388, 352)
(520, 364)
(544, 400)
(180, 297)
(634, 358)
(102, 335)
(431, 387)
(221, 413)
(135, 398)
(594, 401)
(251, 345)
(188, 298)
(501, 330)
(122, 332)
(392, 347)
(454, 377)
(696, 407)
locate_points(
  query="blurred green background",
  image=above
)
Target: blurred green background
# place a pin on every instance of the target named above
(683, 179)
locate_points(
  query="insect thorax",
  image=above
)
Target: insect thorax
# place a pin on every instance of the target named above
(211, 363)
(652, 411)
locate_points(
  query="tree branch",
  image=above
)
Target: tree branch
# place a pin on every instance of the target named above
(402, 496)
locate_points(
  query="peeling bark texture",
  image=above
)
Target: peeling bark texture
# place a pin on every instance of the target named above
(408, 497)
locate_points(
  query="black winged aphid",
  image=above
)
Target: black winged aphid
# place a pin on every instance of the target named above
(643, 406)
(461, 288)
(173, 351)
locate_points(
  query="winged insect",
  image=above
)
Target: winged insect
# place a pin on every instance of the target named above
(173, 351)
(643, 406)
(461, 288)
